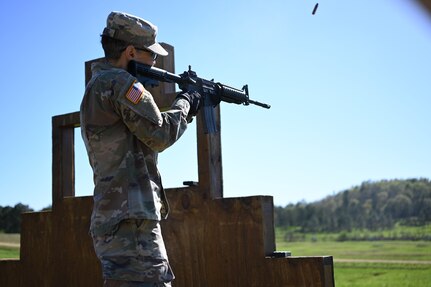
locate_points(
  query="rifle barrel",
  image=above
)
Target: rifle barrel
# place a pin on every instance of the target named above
(263, 105)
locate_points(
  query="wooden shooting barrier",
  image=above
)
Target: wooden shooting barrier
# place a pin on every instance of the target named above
(211, 241)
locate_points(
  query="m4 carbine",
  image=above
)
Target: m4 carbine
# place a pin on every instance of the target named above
(212, 93)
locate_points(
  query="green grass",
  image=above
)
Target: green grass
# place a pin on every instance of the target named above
(380, 275)
(9, 251)
(369, 274)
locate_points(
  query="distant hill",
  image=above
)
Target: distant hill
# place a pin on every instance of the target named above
(371, 205)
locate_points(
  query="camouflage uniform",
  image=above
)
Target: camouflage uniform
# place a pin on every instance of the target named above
(123, 139)
(135, 252)
(123, 131)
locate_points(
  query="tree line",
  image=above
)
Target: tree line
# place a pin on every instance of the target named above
(371, 205)
(10, 217)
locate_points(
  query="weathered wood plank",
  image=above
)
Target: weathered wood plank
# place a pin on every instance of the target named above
(63, 156)
(210, 170)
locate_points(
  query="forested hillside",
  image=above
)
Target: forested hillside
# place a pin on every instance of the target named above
(371, 205)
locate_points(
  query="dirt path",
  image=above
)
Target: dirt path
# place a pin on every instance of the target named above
(382, 261)
(7, 244)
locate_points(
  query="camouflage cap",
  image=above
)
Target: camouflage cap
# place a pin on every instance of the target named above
(134, 30)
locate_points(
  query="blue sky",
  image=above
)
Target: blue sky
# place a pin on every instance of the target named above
(348, 86)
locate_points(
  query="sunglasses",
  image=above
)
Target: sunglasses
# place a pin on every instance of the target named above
(153, 55)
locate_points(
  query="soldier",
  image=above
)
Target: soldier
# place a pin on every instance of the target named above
(123, 131)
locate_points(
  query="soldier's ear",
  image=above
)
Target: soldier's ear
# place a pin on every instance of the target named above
(130, 52)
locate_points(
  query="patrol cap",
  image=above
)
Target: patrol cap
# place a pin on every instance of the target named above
(133, 30)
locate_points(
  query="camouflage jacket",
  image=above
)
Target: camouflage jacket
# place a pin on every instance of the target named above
(123, 131)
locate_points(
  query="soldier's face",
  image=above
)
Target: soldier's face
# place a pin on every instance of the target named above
(145, 57)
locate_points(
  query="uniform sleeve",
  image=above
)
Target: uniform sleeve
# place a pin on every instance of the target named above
(158, 130)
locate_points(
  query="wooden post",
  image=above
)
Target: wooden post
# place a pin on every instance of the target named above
(63, 156)
(210, 158)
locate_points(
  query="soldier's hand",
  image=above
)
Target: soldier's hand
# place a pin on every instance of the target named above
(195, 100)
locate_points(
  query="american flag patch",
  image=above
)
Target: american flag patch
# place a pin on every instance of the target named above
(135, 93)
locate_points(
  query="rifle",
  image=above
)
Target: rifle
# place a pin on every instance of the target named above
(212, 93)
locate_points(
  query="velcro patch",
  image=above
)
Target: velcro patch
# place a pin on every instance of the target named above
(135, 93)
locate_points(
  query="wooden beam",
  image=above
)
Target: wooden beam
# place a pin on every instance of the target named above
(63, 156)
(210, 169)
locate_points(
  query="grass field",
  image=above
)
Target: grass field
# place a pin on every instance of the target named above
(368, 263)
(371, 264)
(381, 274)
